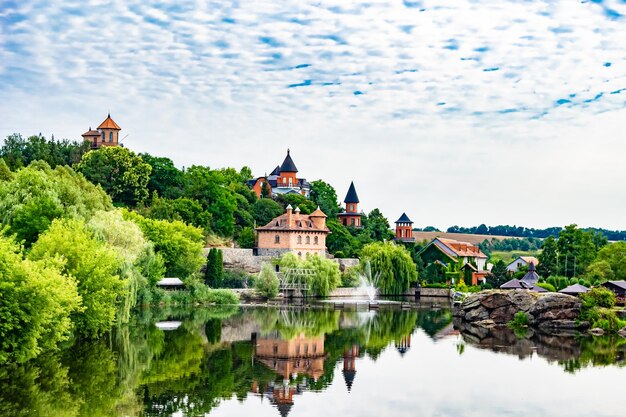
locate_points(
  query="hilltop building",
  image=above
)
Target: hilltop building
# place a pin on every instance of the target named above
(404, 229)
(282, 180)
(107, 134)
(444, 251)
(351, 217)
(520, 262)
(293, 232)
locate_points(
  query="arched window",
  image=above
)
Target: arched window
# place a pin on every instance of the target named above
(102, 136)
(351, 222)
(308, 240)
(299, 239)
(284, 180)
(315, 240)
(277, 239)
(110, 136)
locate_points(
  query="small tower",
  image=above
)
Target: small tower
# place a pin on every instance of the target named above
(109, 132)
(288, 171)
(351, 217)
(404, 229)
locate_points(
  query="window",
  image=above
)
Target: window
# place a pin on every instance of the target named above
(110, 136)
(344, 221)
(308, 240)
(299, 239)
(351, 222)
(291, 182)
(284, 180)
(315, 240)
(276, 239)
(103, 137)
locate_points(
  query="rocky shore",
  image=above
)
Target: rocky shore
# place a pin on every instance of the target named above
(546, 311)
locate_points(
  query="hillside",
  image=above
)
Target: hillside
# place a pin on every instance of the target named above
(463, 237)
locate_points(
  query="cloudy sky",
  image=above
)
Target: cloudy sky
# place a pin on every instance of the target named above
(455, 111)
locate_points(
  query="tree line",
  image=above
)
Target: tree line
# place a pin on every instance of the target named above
(519, 231)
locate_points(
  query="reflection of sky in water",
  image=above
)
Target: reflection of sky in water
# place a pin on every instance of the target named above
(432, 379)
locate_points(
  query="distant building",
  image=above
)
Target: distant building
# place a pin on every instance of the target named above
(351, 217)
(107, 134)
(404, 229)
(444, 251)
(293, 232)
(528, 282)
(520, 262)
(618, 287)
(282, 180)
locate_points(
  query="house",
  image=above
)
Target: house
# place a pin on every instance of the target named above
(528, 282)
(293, 232)
(107, 134)
(351, 217)
(444, 251)
(521, 261)
(404, 229)
(282, 180)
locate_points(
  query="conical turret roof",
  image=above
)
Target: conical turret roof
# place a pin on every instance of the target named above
(109, 124)
(352, 196)
(288, 165)
(404, 219)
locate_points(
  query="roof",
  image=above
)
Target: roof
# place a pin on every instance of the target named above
(404, 219)
(461, 249)
(276, 171)
(620, 284)
(348, 377)
(531, 276)
(288, 165)
(516, 284)
(300, 222)
(527, 259)
(574, 289)
(170, 282)
(352, 196)
(91, 132)
(109, 124)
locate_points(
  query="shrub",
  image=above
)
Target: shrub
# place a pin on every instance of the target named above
(350, 277)
(246, 238)
(546, 286)
(237, 278)
(520, 319)
(600, 297)
(267, 282)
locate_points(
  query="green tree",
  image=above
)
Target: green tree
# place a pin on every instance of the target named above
(121, 173)
(214, 274)
(340, 241)
(576, 250)
(394, 264)
(18, 152)
(498, 275)
(615, 255)
(94, 266)
(184, 209)
(548, 257)
(246, 238)
(264, 210)
(5, 172)
(36, 305)
(297, 200)
(326, 276)
(599, 271)
(267, 282)
(165, 178)
(325, 196)
(377, 226)
(38, 194)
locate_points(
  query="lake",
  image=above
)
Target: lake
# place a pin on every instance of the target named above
(235, 361)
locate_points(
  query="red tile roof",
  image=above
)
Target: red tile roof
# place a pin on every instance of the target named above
(299, 222)
(91, 132)
(462, 248)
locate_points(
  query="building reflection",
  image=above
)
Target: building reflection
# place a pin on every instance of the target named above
(297, 360)
(349, 365)
(404, 344)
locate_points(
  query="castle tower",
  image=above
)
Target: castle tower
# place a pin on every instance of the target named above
(351, 217)
(349, 365)
(404, 229)
(288, 171)
(109, 132)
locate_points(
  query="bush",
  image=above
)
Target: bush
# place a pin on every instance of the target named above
(520, 319)
(350, 277)
(246, 238)
(598, 297)
(267, 282)
(436, 285)
(546, 286)
(237, 278)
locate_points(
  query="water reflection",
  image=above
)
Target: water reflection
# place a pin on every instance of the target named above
(190, 362)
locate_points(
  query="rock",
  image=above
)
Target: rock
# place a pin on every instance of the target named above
(524, 300)
(477, 314)
(487, 324)
(504, 314)
(472, 301)
(496, 299)
(565, 314)
(559, 324)
(554, 301)
(596, 331)
(622, 332)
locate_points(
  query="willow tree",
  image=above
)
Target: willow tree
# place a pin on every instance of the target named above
(394, 264)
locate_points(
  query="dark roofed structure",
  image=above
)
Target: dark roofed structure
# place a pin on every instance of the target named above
(575, 289)
(352, 196)
(348, 377)
(276, 171)
(618, 287)
(288, 164)
(404, 219)
(531, 276)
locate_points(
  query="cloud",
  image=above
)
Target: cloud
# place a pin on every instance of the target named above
(223, 76)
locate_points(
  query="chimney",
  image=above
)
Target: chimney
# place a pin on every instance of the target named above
(289, 216)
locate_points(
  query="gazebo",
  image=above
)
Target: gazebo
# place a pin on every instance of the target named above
(575, 289)
(529, 282)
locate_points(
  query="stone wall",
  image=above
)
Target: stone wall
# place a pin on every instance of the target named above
(236, 258)
(345, 263)
(434, 292)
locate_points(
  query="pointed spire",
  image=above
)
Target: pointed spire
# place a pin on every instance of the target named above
(288, 165)
(351, 196)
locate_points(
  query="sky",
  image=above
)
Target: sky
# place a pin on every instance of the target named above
(457, 112)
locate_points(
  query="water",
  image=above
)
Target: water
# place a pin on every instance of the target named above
(271, 362)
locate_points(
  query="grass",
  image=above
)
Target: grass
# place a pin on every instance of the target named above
(508, 257)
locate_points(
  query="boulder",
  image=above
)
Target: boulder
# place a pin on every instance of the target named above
(496, 300)
(622, 332)
(554, 301)
(503, 314)
(472, 301)
(477, 314)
